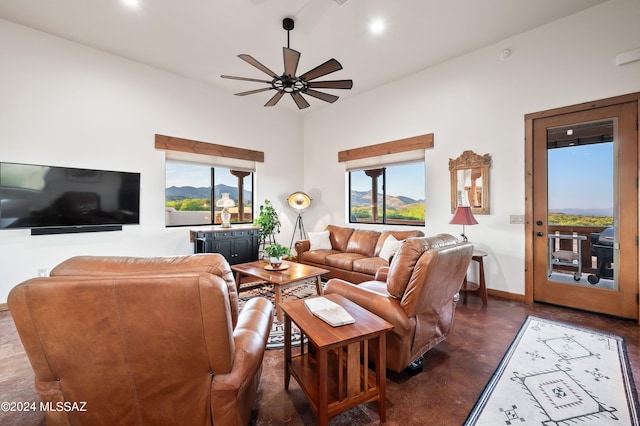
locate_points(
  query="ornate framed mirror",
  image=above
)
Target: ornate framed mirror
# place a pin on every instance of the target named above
(470, 182)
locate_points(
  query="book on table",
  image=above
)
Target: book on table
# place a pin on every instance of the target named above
(328, 311)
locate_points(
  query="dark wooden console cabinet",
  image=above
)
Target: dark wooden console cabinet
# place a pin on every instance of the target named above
(237, 245)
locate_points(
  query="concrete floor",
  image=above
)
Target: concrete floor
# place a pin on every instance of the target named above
(455, 371)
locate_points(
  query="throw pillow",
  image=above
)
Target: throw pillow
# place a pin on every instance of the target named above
(389, 248)
(319, 240)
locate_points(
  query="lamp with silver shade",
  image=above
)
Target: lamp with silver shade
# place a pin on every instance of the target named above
(298, 201)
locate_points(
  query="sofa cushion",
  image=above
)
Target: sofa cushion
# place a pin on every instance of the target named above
(399, 235)
(363, 242)
(319, 240)
(369, 265)
(342, 260)
(339, 237)
(317, 256)
(389, 248)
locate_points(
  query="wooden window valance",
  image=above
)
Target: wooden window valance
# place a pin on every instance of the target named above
(171, 143)
(386, 148)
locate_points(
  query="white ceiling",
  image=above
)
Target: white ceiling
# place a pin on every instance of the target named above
(200, 39)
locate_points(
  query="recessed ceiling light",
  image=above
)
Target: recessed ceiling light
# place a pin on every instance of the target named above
(377, 26)
(131, 3)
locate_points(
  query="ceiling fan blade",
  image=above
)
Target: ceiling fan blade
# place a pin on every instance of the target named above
(250, 60)
(336, 84)
(257, 80)
(300, 101)
(327, 68)
(274, 100)
(251, 92)
(291, 58)
(324, 96)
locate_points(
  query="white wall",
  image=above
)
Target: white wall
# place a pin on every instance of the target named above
(65, 104)
(478, 102)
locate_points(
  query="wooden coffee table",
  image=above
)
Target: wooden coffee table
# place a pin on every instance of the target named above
(333, 372)
(294, 274)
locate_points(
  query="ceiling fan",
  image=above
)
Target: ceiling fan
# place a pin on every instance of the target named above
(288, 82)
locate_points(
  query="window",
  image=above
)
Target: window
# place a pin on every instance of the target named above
(192, 191)
(399, 195)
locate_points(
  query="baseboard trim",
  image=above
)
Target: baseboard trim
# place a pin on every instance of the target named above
(4, 307)
(505, 295)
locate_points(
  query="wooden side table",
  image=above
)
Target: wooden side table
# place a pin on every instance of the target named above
(333, 372)
(478, 256)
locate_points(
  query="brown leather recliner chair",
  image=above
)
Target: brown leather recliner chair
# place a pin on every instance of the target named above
(142, 341)
(416, 293)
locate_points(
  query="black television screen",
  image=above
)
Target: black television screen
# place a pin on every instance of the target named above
(34, 196)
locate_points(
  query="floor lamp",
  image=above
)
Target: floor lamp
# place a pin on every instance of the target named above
(298, 201)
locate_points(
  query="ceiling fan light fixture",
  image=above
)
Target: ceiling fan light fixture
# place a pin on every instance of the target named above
(131, 3)
(289, 83)
(377, 26)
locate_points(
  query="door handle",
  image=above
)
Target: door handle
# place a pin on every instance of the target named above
(540, 234)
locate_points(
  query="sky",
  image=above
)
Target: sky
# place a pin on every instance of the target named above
(182, 174)
(581, 177)
(406, 179)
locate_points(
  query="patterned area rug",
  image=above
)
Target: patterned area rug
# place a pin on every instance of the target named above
(276, 337)
(560, 374)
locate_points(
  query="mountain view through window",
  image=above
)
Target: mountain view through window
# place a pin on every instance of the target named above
(193, 190)
(399, 195)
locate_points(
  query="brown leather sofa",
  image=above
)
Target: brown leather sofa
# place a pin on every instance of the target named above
(142, 341)
(416, 293)
(354, 253)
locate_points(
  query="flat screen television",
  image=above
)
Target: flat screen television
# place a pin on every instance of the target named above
(50, 199)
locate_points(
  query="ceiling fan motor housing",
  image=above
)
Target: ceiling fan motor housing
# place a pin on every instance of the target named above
(289, 84)
(288, 24)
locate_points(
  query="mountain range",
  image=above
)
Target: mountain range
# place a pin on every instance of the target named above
(358, 198)
(363, 198)
(174, 193)
(596, 211)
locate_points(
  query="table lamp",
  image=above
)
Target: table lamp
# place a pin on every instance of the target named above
(225, 202)
(463, 216)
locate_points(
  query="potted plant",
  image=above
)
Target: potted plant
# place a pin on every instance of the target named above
(269, 223)
(276, 252)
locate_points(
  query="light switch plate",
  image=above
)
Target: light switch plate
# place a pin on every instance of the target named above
(516, 219)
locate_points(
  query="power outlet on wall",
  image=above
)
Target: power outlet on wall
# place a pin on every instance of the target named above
(42, 272)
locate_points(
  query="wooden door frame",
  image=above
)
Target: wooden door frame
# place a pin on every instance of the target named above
(529, 147)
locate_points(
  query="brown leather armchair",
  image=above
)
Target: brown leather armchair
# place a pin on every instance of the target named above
(416, 294)
(142, 341)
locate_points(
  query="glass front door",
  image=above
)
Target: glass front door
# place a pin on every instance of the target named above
(581, 207)
(586, 210)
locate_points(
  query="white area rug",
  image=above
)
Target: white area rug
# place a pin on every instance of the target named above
(560, 374)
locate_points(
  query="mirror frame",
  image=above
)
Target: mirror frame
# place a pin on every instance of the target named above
(471, 160)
